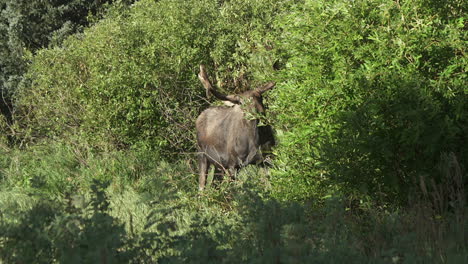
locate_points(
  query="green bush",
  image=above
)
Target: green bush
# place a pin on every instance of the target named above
(124, 80)
(372, 94)
(28, 26)
(131, 78)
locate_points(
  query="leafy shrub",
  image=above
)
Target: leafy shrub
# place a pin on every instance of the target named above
(26, 27)
(131, 78)
(124, 80)
(372, 95)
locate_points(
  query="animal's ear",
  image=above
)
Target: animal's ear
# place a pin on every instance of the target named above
(265, 87)
(203, 76)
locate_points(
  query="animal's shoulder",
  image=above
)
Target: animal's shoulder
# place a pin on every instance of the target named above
(219, 113)
(215, 111)
(210, 112)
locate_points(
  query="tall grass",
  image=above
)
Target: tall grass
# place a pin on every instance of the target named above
(60, 204)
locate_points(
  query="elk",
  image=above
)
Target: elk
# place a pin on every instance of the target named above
(230, 137)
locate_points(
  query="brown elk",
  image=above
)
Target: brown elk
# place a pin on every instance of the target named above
(230, 137)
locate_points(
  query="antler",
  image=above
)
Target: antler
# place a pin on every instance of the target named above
(265, 87)
(203, 77)
(209, 88)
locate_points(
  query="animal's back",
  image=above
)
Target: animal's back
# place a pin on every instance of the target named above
(212, 125)
(224, 136)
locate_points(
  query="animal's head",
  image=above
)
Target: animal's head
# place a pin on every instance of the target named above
(250, 99)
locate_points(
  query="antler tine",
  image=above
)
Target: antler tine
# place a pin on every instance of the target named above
(265, 87)
(203, 76)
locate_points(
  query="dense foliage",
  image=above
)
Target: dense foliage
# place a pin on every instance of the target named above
(28, 26)
(130, 80)
(372, 97)
(370, 112)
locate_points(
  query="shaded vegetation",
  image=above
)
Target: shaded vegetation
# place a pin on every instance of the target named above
(156, 214)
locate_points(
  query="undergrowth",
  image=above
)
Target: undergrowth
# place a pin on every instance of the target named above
(130, 207)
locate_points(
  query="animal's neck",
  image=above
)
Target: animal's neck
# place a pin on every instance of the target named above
(250, 116)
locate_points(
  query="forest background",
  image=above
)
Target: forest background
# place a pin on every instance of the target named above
(97, 139)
